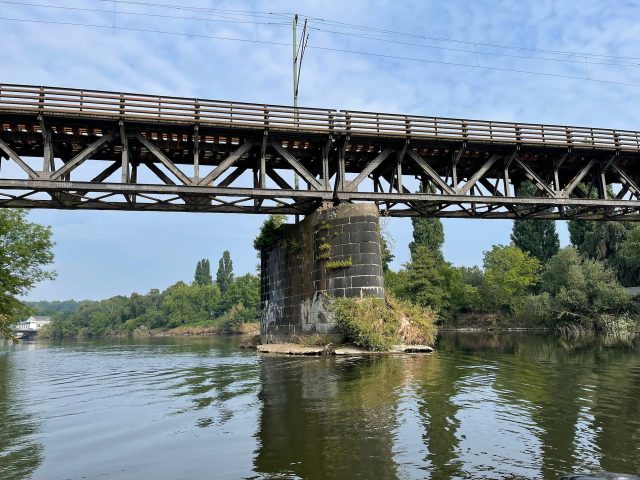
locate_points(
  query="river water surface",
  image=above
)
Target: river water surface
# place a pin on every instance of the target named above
(482, 406)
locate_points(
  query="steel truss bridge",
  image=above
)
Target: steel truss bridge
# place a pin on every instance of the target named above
(81, 149)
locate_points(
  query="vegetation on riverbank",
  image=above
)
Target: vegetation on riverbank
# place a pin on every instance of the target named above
(530, 283)
(200, 307)
(378, 325)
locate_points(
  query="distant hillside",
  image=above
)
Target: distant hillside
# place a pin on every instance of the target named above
(50, 309)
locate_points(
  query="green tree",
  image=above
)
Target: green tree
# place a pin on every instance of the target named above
(426, 281)
(536, 237)
(245, 291)
(386, 255)
(224, 276)
(631, 248)
(427, 232)
(203, 272)
(509, 274)
(191, 303)
(582, 286)
(605, 241)
(25, 251)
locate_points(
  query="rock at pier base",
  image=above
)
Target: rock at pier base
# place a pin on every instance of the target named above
(343, 350)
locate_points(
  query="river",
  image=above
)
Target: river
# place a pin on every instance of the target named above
(482, 406)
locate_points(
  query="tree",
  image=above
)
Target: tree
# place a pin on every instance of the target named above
(426, 281)
(579, 285)
(509, 273)
(631, 248)
(427, 232)
(224, 276)
(605, 241)
(385, 252)
(203, 273)
(191, 303)
(538, 238)
(245, 291)
(25, 251)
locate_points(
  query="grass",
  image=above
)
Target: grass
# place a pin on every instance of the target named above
(378, 325)
(337, 264)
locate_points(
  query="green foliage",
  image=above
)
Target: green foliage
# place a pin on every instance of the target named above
(180, 305)
(582, 286)
(268, 235)
(25, 251)
(203, 272)
(377, 324)
(425, 280)
(606, 241)
(509, 274)
(324, 226)
(190, 303)
(631, 248)
(337, 264)
(297, 246)
(236, 316)
(538, 238)
(324, 247)
(385, 251)
(473, 276)
(427, 232)
(224, 276)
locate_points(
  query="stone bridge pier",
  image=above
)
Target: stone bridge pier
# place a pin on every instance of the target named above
(334, 252)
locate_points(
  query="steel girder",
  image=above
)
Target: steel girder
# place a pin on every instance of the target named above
(66, 162)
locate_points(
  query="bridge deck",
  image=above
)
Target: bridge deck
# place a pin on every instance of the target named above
(186, 154)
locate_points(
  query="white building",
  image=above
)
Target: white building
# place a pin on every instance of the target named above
(33, 323)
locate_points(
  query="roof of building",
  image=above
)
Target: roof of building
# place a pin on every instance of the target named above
(39, 318)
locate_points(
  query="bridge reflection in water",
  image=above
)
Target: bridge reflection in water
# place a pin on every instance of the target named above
(83, 149)
(490, 406)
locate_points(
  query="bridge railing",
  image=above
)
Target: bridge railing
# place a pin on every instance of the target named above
(139, 107)
(367, 123)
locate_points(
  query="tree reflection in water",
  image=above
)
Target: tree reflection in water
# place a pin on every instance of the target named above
(20, 453)
(496, 405)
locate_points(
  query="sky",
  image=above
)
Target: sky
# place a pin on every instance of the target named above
(554, 62)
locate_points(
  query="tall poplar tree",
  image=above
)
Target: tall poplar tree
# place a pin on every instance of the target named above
(427, 232)
(203, 273)
(538, 238)
(224, 276)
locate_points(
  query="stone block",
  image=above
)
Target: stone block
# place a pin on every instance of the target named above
(371, 247)
(350, 249)
(339, 282)
(361, 237)
(368, 281)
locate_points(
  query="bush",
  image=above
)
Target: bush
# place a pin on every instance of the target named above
(233, 319)
(582, 286)
(377, 325)
(268, 235)
(535, 309)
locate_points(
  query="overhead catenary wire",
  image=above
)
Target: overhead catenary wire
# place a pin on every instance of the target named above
(323, 48)
(140, 14)
(374, 32)
(380, 31)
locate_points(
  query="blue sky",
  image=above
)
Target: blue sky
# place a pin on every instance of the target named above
(99, 254)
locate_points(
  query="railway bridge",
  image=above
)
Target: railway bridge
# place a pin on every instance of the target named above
(83, 149)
